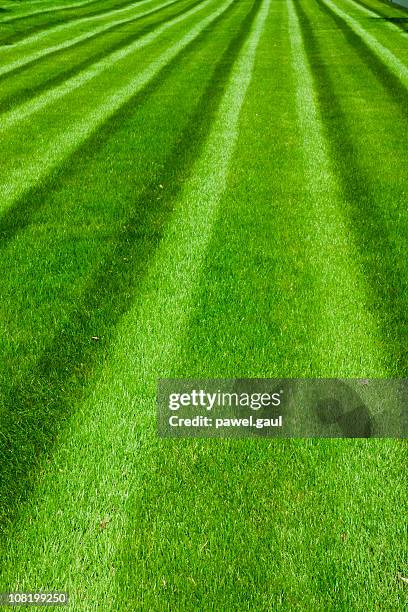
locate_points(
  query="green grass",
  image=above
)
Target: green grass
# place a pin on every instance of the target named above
(16, 25)
(386, 10)
(212, 189)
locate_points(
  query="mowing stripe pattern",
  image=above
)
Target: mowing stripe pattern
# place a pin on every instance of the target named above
(195, 188)
(339, 282)
(14, 187)
(389, 59)
(59, 46)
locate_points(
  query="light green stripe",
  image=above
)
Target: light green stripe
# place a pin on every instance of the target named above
(346, 333)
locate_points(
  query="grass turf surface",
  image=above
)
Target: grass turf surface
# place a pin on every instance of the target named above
(211, 189)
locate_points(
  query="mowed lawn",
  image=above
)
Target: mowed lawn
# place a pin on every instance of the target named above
(199, 188)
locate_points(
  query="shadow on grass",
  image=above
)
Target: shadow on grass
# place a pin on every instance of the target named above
(400, 17)
(402, 22)
(36, 408)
